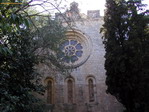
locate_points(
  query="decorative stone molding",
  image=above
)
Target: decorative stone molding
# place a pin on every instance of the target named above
(76, 49)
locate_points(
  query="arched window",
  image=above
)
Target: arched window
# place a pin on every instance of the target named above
(50, 91)
(91, 90)
(70, 91)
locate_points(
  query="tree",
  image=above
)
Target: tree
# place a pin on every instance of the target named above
(18, 46)
(47, 41)
(127, 64)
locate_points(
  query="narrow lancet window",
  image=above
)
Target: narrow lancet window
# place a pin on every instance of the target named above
(50, 92)
(91, 90)
(70, 91)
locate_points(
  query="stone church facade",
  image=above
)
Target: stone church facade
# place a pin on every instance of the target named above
(84, 89)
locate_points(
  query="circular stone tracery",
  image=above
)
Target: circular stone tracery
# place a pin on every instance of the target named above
(72, 51)
(76, 50)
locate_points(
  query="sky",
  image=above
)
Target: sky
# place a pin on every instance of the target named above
(84, 5)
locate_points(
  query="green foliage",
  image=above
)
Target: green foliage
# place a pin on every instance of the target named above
(126, 43)
(47, 40)
(16, 74)
(17, 62)
(19, 54)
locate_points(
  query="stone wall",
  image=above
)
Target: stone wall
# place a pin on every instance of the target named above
(86, 90)
(93, 68)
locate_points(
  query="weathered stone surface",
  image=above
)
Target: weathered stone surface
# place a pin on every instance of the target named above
(93, 68)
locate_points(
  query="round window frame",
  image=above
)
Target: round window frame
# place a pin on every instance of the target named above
(86, 44)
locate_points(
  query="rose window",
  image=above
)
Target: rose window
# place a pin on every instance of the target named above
(71, 51)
